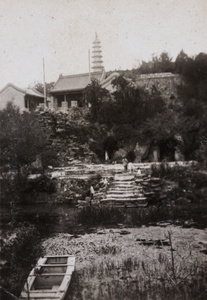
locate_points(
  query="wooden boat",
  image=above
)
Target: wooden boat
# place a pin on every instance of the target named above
(50, 278)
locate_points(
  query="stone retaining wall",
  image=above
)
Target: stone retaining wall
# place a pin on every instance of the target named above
(165, 83)
(63, 140)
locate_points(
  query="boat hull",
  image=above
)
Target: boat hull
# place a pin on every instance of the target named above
(50, 278)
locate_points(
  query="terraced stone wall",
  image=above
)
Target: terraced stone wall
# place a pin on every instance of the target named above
(64, 139)
(165, 83)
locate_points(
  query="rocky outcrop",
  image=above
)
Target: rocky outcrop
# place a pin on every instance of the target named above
(67, 138)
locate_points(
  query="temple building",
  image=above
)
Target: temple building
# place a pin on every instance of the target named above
(68, 90)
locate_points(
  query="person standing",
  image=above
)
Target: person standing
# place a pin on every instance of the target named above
(105, 183)
(139, 172)
(92, 192)
(130, 167)
(125, 164)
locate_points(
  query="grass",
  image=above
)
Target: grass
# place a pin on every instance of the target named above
(114, 266)
(140, 278)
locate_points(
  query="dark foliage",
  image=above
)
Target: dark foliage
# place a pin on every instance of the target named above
(40, 184)
(130, 105)
(94, 95)
(189, 181)
(160, 64)
(20, 251)
(17, 136)
(95, 216)
(40, 87)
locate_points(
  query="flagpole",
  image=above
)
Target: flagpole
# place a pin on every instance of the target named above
(45, 97)
(89, 63)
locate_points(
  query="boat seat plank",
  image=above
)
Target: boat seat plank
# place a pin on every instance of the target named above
(55, 287)
(55, 265)
(56, 256)
(53, 274)
(39, 294)
(43, 295)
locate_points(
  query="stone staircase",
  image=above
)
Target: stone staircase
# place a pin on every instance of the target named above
(125, 192)
(124, 189)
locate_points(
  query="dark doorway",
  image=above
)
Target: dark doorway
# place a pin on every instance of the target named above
(167, 150)
(110, 145)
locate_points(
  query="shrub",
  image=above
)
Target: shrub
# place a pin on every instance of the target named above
(20, 251)
(41, 184)
(95, 216)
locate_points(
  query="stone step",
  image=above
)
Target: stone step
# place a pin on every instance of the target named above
(126, 183)
(140, 200)
(121, 181)
(125, 186)
(155, 179)
(123, 177)
(122, 186)
(141, 180)
(122, 191)
(122, 196)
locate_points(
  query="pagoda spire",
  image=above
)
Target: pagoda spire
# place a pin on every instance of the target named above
(97, 57)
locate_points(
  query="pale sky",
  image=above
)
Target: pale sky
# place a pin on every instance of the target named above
(62, 31)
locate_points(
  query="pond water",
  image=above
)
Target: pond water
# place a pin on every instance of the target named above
(49, 218)
(62, 218)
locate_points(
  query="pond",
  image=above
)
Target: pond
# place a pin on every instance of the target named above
(63, 218)
(49, 218)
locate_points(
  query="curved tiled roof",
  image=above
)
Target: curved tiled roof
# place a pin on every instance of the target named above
(74, 82)
(34, 92)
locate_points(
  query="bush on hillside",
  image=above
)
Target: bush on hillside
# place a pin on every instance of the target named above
(189, 180)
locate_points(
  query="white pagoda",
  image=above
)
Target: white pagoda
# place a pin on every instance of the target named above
(97, 57)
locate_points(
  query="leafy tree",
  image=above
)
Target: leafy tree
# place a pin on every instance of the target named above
(94, 95)
(40, 87)
(165, 62)
(160, 64)
(180, 62)
(194, 72)
(134, 105)
(22, 137)
(174, 127)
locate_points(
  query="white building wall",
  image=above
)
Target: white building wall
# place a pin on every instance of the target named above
(12, 95)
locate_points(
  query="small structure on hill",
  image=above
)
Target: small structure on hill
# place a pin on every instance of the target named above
(26, 99)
